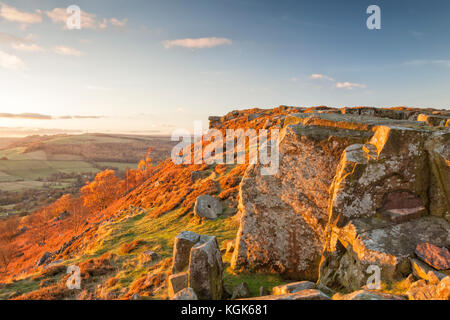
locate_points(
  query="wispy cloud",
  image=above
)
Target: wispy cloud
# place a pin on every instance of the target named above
(320, 76)
(67, 51)
(39, 116)
(18, 43)
(198, 43)
(15, 15)
(337, 84)
(88, 20)
(11, 62)
(349, 85)
(118, 23)
(35, 116)
(421, 62)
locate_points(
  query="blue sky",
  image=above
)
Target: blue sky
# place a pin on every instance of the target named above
(153, 66)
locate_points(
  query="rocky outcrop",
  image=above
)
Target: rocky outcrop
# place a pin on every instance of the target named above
(283, 217)
(356, 188)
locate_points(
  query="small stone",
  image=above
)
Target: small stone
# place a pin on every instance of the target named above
(262, 291)
(293, 287)
(186, 294)
(438, 258)
(403, 215)
(208, 207)
(423, 271)
(241, 291)
(135, 297)
(152, 255)
(310, 294)
(367, 295)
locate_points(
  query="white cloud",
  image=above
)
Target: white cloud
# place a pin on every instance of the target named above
(198, 43)
(88, 20)
(11, 62)
(349, 85)
(30, 47)
(421, 62)
(67, 51)
(337, 84)
(118, 23)
(321, 76)
(15, 15)
(21, 44)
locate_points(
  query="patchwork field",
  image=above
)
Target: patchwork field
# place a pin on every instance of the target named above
(58, 162)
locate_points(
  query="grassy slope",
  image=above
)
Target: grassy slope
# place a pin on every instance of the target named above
(155, 234)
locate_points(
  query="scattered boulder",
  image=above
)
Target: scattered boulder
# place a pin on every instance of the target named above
(199, 257)
(367, 295)
(438, 258)
(177, 282)
(363, 243)
(186, 294)
(152, 255)
(182, 250)
(206, 269)
(423, 271)
(310, 294)
(208, 207)
(422, 290)
(241, 291)
(293, 287)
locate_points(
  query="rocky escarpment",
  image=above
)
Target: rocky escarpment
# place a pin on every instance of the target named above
(356, 187)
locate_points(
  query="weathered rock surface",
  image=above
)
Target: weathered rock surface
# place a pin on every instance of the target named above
(374, 242)
(423, 271)
(208, 207)
(367, 295)
(356, 188)
(206, 270)
(177, 282)
(186, 294)
(197, 263)
(293, 287)
(310, 294)
(283, 217)
(182, 250)
(439, 258)
(422, 290)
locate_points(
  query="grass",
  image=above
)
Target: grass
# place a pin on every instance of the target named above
(158, 234)
(19, 287)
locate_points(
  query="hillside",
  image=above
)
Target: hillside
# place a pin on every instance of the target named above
(61, 163)
(355, 188)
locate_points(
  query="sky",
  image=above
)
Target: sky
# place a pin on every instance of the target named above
(150, 67)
